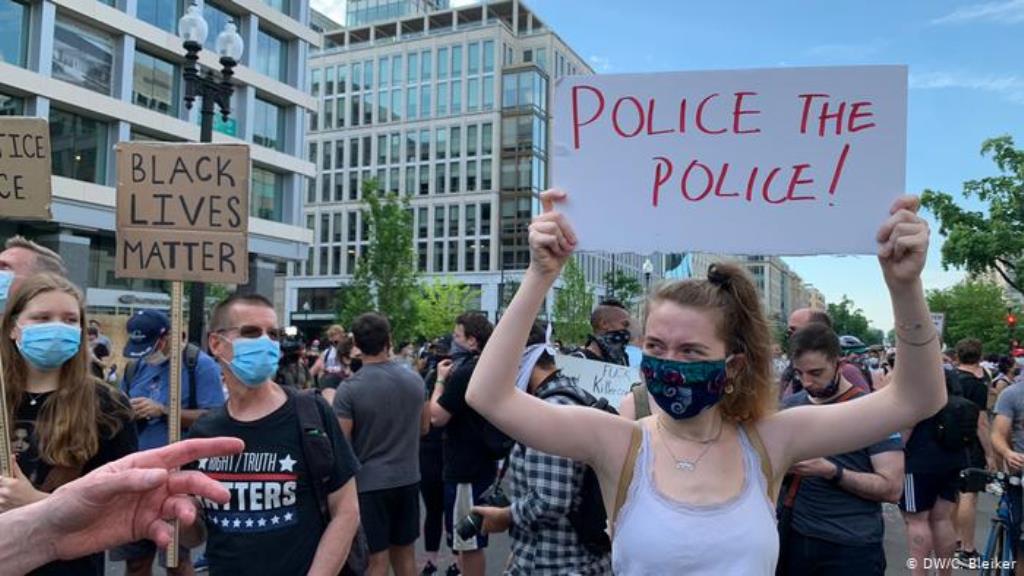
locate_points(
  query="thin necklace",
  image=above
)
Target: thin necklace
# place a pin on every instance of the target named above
(685, 464)
(33, 398)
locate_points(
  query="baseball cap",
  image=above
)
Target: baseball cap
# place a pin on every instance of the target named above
(145, 328)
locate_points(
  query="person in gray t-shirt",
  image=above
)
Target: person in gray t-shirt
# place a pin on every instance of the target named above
(1008, 444)
(381, 409)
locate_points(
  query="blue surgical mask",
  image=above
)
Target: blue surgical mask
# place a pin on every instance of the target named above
(6, 280)
(255, 360)
(48, 346)
(684, 389)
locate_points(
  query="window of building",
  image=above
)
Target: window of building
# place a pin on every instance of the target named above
(11, 106)
(14, 31)
(155, 84)
(439, 178)
(283, 6)
(473, 95)
(488, 56)
(442, 99)
(216, 20)
(441, 144)
(425, 102)
(79, 146)
(412, 67)
(456, 97)
(486, 180)
(487, 139)
(83, 56)
(314, 82)
(456, 61)
(267, 195)
(268, 128)
(471, 140)
(456, 142)
(272, 57)
(411, 103)
(329, 81)
(160, 13)
(474, 59)
(426, 65)
(442, 63)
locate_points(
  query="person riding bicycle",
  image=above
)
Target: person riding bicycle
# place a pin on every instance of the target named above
(1008, 443)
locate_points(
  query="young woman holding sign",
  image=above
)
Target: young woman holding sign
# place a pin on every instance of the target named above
(692, 488)
(65, 422)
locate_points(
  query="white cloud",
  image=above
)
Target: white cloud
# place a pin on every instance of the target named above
(1009, 86)
(1005, 12)
(600, 63)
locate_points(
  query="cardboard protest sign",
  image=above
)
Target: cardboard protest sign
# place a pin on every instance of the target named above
(183, 212)
(25, 187)
(785, 161)
(609, 381)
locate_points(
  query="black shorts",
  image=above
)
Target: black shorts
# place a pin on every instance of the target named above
(921, 490)
(390, 517)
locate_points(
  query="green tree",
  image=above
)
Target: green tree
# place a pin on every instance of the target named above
(438, 305)
(994, 241)
(385, 279)
(623, 287)
(847, 319)
(573, 305)
(973, 309)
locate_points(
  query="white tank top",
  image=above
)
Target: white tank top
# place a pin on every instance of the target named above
(655, 534)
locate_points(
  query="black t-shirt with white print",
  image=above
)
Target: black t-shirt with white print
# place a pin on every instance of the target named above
(25, 446)
(272, 525)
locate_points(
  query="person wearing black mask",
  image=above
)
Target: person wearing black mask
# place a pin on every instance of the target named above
(610, 324)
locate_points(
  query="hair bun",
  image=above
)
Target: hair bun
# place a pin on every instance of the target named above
(718, 278)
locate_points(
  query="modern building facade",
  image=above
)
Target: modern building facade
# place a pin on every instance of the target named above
(451, 108)
(781, 289)
(104, 72)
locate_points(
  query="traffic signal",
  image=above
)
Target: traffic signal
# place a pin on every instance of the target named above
(1011, 319)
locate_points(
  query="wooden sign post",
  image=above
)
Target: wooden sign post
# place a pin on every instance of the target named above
(182, 215)
(25, 194)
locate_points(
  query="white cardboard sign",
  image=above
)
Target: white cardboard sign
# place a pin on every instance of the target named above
(603, 380)
(781, 161)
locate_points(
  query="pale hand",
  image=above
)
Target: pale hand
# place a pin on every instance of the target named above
(815, 468)
(552, 239)
(17, 491)
(444, 369)
(496, 520)
(133, 498)
(903, 243)
(147, 408)
(1015, 460)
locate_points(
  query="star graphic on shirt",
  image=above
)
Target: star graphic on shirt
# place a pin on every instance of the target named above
(202, 463)
(213, 519)
(236, 523)
(248, 523)
(262, 522)
(288, 517)
(224, 522)
(287, 464)
(275, 520)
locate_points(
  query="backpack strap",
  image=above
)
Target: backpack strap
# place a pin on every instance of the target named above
(129, 374)
(774, 484)
(191, 361)
(626, 475)
(311, 427)
(641, 400)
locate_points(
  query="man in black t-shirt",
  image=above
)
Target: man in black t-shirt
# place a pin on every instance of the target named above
(272, 524)
(974, 383)
(469, 467)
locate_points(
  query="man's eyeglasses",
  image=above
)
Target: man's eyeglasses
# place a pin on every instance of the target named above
(250, 331)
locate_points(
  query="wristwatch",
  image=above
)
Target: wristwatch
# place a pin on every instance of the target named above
(838, 476)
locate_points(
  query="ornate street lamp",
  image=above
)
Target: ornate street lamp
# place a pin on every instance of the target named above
(212, 91)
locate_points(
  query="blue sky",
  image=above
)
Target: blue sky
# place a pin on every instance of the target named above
(966, 80)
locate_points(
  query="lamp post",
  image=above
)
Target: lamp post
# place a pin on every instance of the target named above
(648, 269)
(212, 92)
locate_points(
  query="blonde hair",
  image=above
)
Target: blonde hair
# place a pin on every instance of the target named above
(741, 325)
(66, 428)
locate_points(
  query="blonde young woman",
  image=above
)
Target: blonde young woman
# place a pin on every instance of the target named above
(691, 488)
(66, 422)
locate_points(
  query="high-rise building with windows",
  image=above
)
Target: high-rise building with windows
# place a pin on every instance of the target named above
(450, 107)
(104, 72)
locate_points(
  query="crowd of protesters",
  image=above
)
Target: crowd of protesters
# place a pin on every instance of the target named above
(733, 455)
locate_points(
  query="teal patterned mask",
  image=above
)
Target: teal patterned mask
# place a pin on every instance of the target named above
(684, 389)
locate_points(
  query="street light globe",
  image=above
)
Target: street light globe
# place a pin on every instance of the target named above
(192, 27)
(229, 43)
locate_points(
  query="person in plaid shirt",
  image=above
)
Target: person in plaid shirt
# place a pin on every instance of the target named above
(543, 488)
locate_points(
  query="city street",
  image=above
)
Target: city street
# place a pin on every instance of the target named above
(895, 543)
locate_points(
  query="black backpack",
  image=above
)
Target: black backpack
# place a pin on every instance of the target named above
(191, 361)
(318, 452)
(956, 425)
(589, 519)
